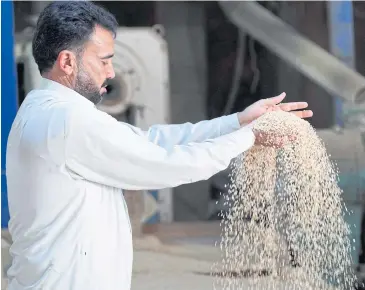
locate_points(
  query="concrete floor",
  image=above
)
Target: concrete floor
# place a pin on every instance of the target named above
(182, 262)
(180, 265)
(187, 264)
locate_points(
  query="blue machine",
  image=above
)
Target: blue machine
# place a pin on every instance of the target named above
(342, 44)
(9, 95)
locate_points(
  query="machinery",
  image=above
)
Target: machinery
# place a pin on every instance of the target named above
(9, 101)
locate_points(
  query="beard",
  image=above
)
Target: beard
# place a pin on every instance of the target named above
(85, 86)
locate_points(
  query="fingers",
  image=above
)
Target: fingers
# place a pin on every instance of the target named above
(303, 114)
(275, 100)
(293, 106)
(288, 107)
(274, 105)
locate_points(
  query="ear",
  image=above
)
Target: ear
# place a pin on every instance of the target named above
(66, 61)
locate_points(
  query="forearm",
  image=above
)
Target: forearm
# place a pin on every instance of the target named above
(107, 152)
(242, 119)
(170, 135)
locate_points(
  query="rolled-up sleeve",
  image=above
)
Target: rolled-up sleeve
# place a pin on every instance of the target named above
(103, 150)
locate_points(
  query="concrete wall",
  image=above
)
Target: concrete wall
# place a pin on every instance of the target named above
(185, 35)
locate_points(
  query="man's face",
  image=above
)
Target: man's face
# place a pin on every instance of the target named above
(95, 66)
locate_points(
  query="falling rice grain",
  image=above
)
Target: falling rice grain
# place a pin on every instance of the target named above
(285, 202)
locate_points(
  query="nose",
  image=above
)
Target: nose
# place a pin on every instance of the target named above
(110, 74)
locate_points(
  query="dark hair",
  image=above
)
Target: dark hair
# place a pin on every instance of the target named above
(67, 25)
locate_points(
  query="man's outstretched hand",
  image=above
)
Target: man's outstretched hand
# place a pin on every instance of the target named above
(263, 106)
(270, 140)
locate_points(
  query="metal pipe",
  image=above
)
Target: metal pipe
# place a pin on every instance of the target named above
(306, 56)
(236, 78)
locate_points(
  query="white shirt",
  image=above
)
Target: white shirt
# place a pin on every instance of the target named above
(66, 165)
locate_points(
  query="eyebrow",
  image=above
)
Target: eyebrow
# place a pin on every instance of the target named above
(107, 56)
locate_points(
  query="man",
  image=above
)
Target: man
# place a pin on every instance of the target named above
(67, 162)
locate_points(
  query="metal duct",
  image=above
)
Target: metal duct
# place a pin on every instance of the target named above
(306, 56)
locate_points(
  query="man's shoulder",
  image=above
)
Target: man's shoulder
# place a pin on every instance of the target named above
(38, 98)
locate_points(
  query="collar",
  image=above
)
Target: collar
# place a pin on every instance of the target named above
(63, 91)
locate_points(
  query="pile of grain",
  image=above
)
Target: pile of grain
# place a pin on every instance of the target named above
(286, 218)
